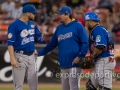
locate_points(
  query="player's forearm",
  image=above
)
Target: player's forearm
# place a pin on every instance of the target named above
(96, 52)
(45, 50)
(40, 39)
(38, 34)
(49, 47)
(11, 52)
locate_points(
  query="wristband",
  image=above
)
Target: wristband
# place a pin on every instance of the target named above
(94, 55)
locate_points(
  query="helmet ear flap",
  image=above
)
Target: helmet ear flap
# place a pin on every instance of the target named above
(88, 21)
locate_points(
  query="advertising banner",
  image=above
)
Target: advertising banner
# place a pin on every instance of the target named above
(45, 66)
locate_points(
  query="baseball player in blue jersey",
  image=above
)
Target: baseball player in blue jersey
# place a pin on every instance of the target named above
(101, 51)
(22, 34)
(72, 41)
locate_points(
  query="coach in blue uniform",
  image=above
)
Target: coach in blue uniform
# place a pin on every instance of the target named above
(101, 50)
(72, 41)
(22, 34)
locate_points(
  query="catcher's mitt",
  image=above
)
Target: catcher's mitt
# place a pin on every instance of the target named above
(85, 63)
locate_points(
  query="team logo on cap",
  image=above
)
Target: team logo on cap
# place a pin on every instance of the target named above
(66, 11)
(87, 17)
(10, 35)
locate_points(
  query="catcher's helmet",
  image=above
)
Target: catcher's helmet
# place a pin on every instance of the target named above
(91, 16)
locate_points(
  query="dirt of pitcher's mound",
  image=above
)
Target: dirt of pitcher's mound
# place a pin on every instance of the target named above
(116, 84)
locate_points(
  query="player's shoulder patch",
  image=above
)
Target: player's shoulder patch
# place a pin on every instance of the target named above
(31, 23)
(10, 35)
(98, 38)
(32, 26)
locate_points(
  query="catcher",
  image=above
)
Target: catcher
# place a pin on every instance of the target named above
(101, 55)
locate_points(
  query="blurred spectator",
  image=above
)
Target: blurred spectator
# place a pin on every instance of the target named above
(7, 6)
(46, 7)
(0, 9)
(106, 8)
(55, 25)
(35, 1)
(1, 1)
(91, 4)
(83, 8)
(107, 4)
(24, 1)
(48, 20)
(80, 17)
(106, 11)
(16, 11)
(103, 14)
(41, 17)
(49, 31)
(62, 2)
(117, 6)
(75, 3)
(116, 30)
(53, 15)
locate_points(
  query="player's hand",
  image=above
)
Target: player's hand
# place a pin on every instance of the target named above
(14, 63)
(76, 60)
(36, 54)
(111, 59)
(90, 58)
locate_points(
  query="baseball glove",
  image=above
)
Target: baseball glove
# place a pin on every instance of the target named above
(86, 63)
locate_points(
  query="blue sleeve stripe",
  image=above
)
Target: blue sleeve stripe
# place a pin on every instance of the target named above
(100, 44)
(10, 41)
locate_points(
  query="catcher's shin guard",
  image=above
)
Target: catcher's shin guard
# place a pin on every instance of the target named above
(89, 85)
(103, 88)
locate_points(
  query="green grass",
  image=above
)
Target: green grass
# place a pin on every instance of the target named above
(28, 89)
(46, 89)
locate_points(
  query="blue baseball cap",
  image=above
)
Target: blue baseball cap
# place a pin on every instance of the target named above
(29, 8)
(64, 10)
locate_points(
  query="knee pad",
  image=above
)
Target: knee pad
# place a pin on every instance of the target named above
(103, 88)
(89, 85)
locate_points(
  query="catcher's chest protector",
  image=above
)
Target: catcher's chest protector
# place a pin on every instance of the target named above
(91, 43)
